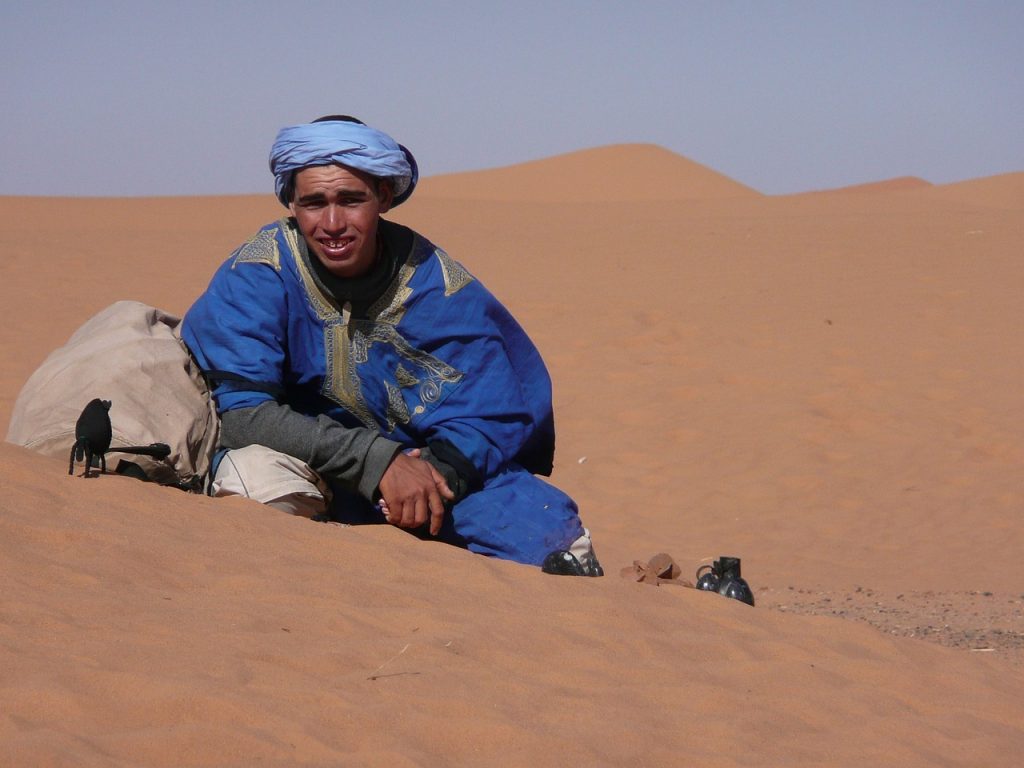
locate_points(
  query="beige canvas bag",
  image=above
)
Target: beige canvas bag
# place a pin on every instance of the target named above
(132, 355)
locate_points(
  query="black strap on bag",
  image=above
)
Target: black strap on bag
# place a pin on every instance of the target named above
(214, 378)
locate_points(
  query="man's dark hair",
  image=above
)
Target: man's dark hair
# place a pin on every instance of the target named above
(339, 119)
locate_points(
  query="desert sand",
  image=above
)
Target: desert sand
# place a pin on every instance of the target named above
(827, 385)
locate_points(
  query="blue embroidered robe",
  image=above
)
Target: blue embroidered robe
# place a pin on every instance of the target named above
(435, 357)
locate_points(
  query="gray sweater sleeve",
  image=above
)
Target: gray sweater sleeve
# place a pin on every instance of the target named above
(354, 458)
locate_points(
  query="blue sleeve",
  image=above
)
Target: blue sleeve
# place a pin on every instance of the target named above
(500, 411)
(490, 421)
(239, 326)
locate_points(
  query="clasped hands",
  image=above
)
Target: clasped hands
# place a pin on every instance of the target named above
(412, 492)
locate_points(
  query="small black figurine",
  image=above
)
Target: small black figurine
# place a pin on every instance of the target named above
(92, 436)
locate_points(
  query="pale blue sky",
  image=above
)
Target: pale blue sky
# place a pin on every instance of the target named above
(143, 98)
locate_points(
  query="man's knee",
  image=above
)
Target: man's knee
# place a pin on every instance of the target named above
(272, 478)
(517, 516)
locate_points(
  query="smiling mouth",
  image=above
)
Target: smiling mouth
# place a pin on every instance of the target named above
(335, 247)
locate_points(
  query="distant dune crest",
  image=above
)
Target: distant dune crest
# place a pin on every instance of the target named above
(635, 172)
(897, 184)
(647, 172)
(1005, 190)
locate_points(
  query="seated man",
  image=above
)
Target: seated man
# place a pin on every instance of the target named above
(363, 375)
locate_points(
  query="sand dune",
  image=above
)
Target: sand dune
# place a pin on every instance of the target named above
(634, 172)
(1005, 191)
(896, 184)
(826, 385)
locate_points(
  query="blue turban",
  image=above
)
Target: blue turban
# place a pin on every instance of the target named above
(339, 142)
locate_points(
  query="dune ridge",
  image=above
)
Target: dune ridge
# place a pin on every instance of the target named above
(633, 172)
(1004, 191)
(895, 184)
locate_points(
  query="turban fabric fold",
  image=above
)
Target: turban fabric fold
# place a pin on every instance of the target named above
(350, 144)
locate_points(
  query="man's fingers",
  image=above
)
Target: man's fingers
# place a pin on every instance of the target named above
(436, 513)
(442, 484)
(411, 514)
(414, 492)
(420, 513)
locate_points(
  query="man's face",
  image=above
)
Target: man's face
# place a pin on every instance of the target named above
(337, 210)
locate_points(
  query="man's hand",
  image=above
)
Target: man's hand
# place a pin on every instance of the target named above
(413, 491)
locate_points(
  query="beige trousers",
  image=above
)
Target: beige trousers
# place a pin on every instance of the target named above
(275, 479)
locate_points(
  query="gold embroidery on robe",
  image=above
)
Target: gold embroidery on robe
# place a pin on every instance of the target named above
(455, 275)
(261, 248)
(341, 384)
(326, 307)
(347, 343)
(404, 377)
(398, 411)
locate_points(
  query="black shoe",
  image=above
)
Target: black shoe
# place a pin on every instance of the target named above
(590, 565)
(562, 562)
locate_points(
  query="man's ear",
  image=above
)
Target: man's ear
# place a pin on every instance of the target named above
(386, 194)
